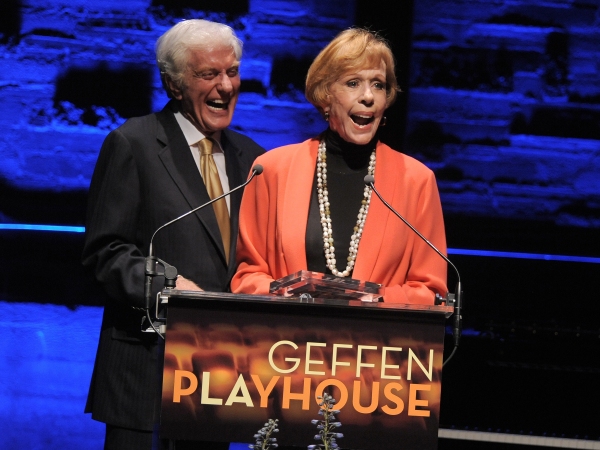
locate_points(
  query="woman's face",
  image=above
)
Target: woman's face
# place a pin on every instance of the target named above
(357, 102)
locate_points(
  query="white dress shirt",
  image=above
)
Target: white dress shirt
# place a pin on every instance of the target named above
(193, 136)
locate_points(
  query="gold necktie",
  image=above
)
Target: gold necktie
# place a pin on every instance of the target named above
(210, 174)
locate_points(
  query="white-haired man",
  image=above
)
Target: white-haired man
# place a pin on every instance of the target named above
(149, 171)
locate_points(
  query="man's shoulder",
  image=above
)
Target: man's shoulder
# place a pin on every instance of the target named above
(140, 123)
(242, 143)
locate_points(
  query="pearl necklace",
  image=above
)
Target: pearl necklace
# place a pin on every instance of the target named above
(326, 219)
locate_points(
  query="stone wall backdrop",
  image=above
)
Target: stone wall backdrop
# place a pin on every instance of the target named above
(501, 99)
(505, 103)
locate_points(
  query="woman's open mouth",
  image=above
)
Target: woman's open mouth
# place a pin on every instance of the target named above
(362, 120)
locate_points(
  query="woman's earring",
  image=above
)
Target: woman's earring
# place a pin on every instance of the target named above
(383, 122)
(326, 116)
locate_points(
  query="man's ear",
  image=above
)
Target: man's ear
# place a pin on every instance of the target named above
(173, 88)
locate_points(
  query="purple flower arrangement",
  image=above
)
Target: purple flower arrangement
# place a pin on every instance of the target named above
(326, 426)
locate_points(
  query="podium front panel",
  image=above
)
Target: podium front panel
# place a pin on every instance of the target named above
(233, 362)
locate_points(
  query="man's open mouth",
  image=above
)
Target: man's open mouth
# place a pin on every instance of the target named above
(218, 104)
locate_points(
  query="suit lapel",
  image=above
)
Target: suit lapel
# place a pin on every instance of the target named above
(236, 178)
(180, 164)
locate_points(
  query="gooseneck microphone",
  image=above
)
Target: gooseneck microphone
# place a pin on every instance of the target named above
(256, 170)
(456, 298)
(170, 272)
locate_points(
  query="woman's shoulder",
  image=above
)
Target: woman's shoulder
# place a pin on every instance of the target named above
(286, 153)
(396, 157)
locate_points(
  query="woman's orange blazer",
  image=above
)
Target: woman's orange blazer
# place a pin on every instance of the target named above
(274, 214)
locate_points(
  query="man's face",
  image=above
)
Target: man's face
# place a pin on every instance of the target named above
(210, 88)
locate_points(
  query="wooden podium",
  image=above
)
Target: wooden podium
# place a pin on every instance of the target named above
(231, 362)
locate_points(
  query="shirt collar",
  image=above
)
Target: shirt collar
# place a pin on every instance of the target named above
(193, 135)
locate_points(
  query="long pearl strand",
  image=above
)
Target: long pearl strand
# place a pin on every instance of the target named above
(326, 219)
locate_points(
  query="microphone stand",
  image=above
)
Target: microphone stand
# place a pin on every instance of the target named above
(454, 299)
(170, 274)
(169, 271)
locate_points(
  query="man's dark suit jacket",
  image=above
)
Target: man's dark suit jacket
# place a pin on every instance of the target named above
(146, 176)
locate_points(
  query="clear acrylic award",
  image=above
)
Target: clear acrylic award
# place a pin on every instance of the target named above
(320, 285)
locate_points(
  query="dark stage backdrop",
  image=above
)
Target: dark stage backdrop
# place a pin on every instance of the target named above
(501, 99)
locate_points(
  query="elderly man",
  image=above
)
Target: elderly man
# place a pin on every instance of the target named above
(151, 170)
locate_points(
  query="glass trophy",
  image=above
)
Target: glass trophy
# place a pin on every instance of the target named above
(320, 285)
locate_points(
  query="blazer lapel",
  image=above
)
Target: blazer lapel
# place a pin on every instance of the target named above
(372, 242)
(296, 204)
(178, 161)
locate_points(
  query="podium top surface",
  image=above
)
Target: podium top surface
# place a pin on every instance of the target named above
(436, 310)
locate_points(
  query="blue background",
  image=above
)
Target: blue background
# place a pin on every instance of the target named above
(501, 99)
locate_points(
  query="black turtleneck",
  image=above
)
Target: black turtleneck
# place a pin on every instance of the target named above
(347, 165)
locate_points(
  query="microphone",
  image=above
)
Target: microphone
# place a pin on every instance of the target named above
(256, 170)
(170, 272)
(456, 298)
